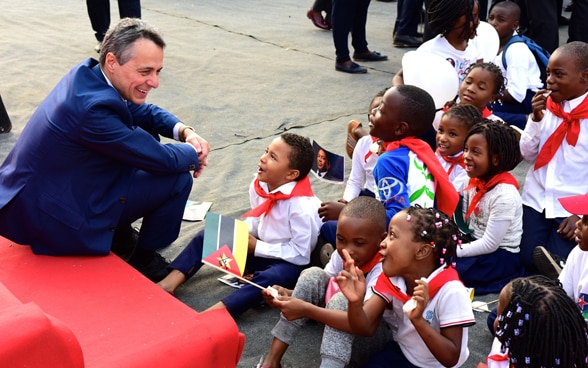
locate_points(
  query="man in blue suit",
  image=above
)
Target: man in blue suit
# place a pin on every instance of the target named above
(89, 162)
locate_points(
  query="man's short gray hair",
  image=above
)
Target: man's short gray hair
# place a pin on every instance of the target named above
(120, 38)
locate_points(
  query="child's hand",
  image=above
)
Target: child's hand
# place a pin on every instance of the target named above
(421, 295)
(330, 210)
(567, 228)
(251, 243)
(291, 308)
(538, 104)
(270, 298)
(351, 280)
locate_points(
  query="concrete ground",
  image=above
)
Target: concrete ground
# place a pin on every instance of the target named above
(241, 72)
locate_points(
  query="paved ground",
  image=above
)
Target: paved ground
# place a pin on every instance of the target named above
(242, 72)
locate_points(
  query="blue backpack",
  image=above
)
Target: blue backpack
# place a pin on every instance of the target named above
(541, 55)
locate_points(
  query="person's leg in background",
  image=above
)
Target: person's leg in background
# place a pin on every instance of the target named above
(343, 17)
(99, 13)
(129, 8)
(541, 19)
(578, 29)
(407, 22)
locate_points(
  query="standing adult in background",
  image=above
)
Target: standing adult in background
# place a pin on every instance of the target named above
(89, 161)
(407, 23)
(350, 16)
(578, 29)
(99, 13)
(539, 21)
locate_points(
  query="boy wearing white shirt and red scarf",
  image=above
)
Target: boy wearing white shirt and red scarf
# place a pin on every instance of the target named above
(556, 140)
(283, 225)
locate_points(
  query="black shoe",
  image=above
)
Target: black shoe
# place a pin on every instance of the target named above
(372, 56)
(563, 21)
(547, 264)
(353, 68)
(406, 41)
(154, 267)
(125, 242)
(568, 7)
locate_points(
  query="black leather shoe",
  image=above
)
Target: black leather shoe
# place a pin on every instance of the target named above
(124, 242)
(352, 68)
(154, 267)
(371, 56)
(406, 41)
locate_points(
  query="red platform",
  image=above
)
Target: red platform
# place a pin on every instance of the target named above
(118, 317)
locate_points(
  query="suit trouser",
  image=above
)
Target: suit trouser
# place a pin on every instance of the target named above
(349, 16)
(578, 29)
(160, 200)
(99, 13)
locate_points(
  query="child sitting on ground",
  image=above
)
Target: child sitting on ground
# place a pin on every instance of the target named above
(492, 209)
(283, 225)
(453, 128)
(522, 74)
(408, 172)
(360, 230)
(559, 168)
(361, 180)
(418, 294)
(574, 275)
(538, 325)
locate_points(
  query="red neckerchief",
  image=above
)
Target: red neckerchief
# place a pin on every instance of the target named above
(384, 285)
(302, 189)
(445, 194)
(369, 152)
(486, 112)
(453, 161)
(568, 128)
(483, 187)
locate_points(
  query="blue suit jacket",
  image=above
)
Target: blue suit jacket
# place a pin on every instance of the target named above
(63, 184)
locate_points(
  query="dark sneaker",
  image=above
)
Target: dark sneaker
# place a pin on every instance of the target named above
(547, 264)
(325, 253)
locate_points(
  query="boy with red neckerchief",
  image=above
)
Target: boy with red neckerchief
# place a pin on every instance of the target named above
(556, 141)
(360, 229)
(408, 172)
(283, 225)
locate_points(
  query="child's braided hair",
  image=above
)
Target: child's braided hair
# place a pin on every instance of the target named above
(542, 326)
(443, 14)
(502, 143)
(437, 229)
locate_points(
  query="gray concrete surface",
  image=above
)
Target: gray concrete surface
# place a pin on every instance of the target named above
(241, 72)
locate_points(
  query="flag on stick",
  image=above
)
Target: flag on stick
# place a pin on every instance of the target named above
(225, 243)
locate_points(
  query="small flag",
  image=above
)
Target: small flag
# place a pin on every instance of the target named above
(225, 243)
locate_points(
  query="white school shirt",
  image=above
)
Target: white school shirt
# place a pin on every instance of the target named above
(567, 172)
(522, 73)
(361, 175)
(451, 306)
(458, 176)
(335, 266)
(290, 230)
(574, 278)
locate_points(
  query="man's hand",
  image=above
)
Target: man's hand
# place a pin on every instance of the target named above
(202, 148)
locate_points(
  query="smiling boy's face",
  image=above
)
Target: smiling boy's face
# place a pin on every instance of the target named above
(385, 121)
(565, 78)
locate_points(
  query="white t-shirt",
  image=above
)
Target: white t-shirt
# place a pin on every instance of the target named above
(460, 60)
(574, 278)
(451, 306)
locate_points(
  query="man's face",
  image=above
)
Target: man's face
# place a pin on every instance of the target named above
(322, 161)
(134, 79)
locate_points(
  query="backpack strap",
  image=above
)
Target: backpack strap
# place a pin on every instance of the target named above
(513, 39)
